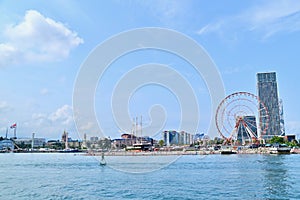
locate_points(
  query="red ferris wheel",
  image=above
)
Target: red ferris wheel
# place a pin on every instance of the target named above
(241, 118)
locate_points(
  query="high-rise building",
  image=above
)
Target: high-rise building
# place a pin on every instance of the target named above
(268, 95)
(177, 138)
(171, 137)
(281, 117)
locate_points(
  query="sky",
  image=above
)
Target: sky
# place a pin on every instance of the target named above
(44, 45)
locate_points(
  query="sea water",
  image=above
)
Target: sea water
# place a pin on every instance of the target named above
(74, 176)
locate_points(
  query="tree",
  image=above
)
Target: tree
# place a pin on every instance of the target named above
(293, 143)
(161, 143)
(277, 139)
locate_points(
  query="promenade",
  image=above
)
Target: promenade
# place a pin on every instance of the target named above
(261, 150)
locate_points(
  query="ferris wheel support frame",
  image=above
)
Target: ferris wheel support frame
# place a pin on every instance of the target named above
(261, 124)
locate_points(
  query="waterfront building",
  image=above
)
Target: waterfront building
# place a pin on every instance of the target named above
(186, 137)
(74, 144)
(94, 138)
(97, 143)
(6, 144)
(268, 95)
(172, 137)
(27, 142)
(290, 138)
(84, 145)
(281, 114)
(54, 144)
(127, 140)
(65, 138)
(69, 142)
(121, 143)
(182, 138)
(128, 136)
(191, 139)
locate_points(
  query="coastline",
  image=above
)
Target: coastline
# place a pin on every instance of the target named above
(261, 150)
(181, 153)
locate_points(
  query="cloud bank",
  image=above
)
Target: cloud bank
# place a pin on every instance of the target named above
(49, 124)
(37, 39)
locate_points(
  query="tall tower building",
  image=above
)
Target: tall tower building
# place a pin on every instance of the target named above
(281, 117)
(268, 94)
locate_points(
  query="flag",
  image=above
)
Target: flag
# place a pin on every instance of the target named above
(13, 126)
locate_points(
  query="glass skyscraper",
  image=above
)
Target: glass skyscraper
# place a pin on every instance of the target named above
(268, 94)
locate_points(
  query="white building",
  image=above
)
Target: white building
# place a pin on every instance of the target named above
(38, 142)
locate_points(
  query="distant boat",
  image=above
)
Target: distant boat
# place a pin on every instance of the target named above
(280, 149)
(69, 151)
(227, 150)
(102, 161)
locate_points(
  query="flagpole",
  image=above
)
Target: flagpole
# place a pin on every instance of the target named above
(15, 132)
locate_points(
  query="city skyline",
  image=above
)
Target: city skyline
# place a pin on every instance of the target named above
(38, 66)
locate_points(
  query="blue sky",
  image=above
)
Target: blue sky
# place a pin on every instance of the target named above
(44, 43)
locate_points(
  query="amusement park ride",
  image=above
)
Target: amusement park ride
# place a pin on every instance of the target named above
(242, 119)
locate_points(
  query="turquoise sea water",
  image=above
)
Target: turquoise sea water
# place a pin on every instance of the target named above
(65, 176)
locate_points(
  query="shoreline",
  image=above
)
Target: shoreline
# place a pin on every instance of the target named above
(181, 153)
(260, 150)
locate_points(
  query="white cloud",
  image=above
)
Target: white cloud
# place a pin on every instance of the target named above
(273, 11)
(212, 27)
(8, 54)
(37, 38)
(87, 127)
(275, 17)
(63, 115)
(39, 119)
(267, 19)
(51, 125)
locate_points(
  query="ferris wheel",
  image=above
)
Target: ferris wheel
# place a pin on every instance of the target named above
(241, 118)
